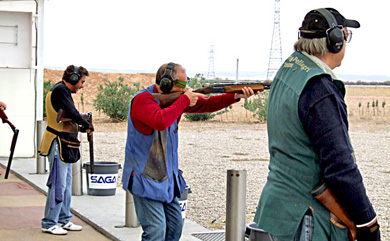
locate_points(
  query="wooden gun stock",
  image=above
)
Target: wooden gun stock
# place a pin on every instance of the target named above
(238, 89)
(4, 118)
(61, 116)
(325, 196)
(167, 99)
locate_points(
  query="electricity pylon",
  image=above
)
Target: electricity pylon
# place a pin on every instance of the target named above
(211, 72)
(275, 56)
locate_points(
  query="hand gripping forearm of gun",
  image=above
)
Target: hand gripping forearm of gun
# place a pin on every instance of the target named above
(368, 232)
(90, 128)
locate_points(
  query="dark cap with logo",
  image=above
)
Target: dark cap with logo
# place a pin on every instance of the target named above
(315, 24)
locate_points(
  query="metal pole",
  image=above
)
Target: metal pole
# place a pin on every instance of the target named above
(235, 205)
(77, 174)
(237, 70)
(41, 163)
(131, 219)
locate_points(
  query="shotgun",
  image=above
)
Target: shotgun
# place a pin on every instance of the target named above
(325, 196)
(4, 118)
(88, 116)
(168, 99)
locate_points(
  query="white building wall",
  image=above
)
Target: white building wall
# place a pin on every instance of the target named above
(21, 75)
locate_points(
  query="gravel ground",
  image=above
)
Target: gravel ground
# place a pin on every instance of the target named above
(207, 150)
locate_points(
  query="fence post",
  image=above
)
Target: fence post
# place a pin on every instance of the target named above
(40, 160)
(131, 219)
(235, 205)
(77, 174)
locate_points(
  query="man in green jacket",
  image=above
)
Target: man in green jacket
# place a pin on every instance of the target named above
(309, 143)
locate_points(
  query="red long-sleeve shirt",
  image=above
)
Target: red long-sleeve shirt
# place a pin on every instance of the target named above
(147, 114)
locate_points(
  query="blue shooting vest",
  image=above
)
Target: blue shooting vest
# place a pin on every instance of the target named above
(154, 161)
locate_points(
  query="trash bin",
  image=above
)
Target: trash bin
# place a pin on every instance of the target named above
(183, 201)
(256, 234)
(104, 181)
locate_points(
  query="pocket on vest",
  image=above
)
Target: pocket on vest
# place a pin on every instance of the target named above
(69, 146)
(156, 165)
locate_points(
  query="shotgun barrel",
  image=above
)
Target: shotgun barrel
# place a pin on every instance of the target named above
(13, 144)
(4, 118)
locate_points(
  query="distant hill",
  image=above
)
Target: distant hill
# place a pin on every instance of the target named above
(243, 75)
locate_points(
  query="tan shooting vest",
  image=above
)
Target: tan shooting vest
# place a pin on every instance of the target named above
(48, 137)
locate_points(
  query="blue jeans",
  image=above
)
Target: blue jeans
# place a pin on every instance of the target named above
(61, 212)
(159, 221)
(305, 230)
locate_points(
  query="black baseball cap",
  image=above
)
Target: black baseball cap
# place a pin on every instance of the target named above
(314, 24)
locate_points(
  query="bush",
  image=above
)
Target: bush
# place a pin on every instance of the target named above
(197, 82)
(47, 85)
(114, 98)
(258, 105)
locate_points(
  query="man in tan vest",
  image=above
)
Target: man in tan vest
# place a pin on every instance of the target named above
(61, 145)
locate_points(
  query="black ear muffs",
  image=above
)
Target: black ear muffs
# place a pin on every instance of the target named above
(75, 76)
(167, 82)
(335, 32)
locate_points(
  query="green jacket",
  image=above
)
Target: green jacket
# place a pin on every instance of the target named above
(294, 166)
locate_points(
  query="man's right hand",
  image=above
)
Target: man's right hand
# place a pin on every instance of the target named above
(3, 106)
(193, 97)
(90, 128)
(369, 233)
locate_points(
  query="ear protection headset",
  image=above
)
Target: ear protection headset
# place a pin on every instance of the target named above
(74, 77)
(167, 82)
(335, 32)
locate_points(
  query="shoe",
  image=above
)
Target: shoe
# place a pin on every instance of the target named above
(71, 227)
(56, 230)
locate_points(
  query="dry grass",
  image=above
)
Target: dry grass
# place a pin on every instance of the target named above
(364, 95)
(354, 96)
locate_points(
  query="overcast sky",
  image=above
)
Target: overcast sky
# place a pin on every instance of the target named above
(142, 35)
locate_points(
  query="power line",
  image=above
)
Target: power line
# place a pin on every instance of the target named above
(275, 56)
(211, 72)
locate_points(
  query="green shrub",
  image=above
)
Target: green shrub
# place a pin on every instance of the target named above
(47, 85)
(197, 82)
(258, 105)
(114, 98)
(199, 116)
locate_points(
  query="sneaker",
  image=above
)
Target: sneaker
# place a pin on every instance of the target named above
(56, 230)
(71, 227)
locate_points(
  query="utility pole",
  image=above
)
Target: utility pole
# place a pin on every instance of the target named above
(275, 56)
(237, 70)
(211, 72)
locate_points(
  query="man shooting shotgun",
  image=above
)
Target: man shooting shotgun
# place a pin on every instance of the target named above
(4, 118)
(151, 171)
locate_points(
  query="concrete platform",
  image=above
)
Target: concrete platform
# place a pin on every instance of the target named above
(22, 203)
